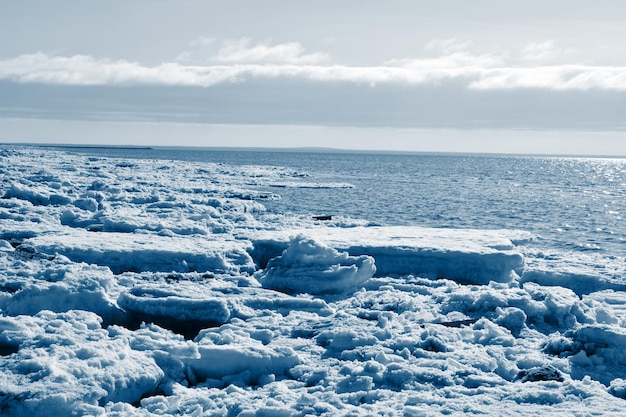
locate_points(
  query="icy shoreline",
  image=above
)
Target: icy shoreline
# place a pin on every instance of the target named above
(140, 287)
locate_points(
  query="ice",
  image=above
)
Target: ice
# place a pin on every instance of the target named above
(147, 252)
(583, 273)
(609, 306)
(303, 184)
(309, 267)
(236, 357)
(36, 195)
(470, 256)
(65, 363)
(58, 285)
(166, 306)
(145, 287)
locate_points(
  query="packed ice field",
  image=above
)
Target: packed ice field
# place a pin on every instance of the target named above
(165, 288)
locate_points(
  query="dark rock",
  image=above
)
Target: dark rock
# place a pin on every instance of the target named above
(540, 373)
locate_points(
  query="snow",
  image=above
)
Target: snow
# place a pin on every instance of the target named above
(144, 288)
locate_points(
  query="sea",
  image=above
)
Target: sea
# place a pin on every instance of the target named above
(573, 204)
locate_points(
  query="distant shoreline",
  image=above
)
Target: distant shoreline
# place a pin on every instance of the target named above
(89, 146)
(306, 150)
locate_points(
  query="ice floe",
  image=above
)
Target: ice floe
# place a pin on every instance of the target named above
(477, 256)
(583, 273)
(146, 252)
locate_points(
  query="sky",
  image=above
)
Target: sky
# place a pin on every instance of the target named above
(451, 75)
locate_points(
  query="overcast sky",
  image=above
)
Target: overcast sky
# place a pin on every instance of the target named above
(485, 76)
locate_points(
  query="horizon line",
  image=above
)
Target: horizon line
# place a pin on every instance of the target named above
(306, 149)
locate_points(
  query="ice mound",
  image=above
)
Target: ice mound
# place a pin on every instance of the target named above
(595, 350)
(171, 309)
(170, 351)
(37, 195)
(307, 266)
(66, 364)
(235, 356)
(468, 256)
(583, 273)
(21, 220)
(147, 252)
(609, 306)
(186, 303)
(30, 284)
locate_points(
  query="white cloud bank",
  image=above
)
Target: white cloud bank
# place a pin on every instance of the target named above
(240, 60)
(241, 51)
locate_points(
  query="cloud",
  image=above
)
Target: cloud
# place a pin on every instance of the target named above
(243, 61)
(457, 60)
(242, 51)
(87, 70)
(557, 77)
(204, 51)
(543, 51)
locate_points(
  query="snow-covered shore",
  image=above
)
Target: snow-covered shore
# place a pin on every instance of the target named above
(151, 287)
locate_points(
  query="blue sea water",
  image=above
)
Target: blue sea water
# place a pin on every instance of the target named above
(574, 204)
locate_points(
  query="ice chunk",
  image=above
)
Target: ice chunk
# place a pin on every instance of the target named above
(608, 305)
(582, 273)
(5, 246)
(37, 195)
(66, 364)
(618, 388)
(57, 285)
(179, 312)
(307, 266)
(148, 252)
(189, 302)
(605, 349)
(169, 350)
(468, 256)
(236, 357)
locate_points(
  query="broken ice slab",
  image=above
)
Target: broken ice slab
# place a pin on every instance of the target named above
(123, 252)
(464, 255)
